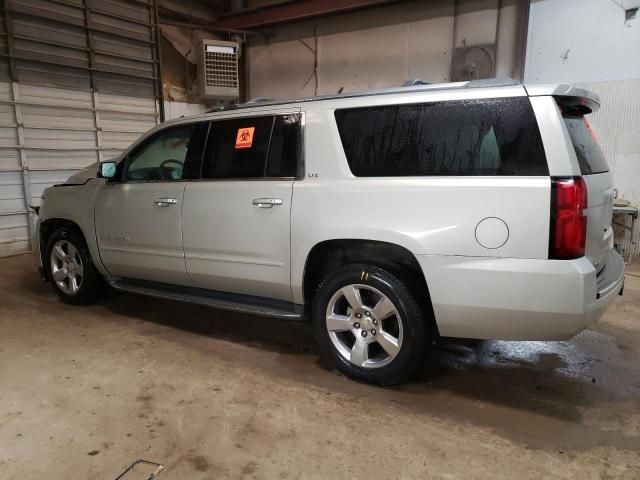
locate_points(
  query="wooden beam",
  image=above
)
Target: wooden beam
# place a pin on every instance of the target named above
(292, 10)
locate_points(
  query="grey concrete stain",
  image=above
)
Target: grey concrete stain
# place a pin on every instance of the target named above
(215, 395)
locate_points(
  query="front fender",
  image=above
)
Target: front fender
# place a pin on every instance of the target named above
(73, 203)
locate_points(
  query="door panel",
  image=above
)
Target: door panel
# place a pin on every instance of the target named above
(138, 223)
(233, 241)
(236, 220)
(138, 227)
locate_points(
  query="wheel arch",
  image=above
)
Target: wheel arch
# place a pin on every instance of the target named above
(72, 205)
(46, 229)
(327, 255)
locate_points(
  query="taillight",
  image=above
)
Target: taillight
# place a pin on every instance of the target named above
(568, 224)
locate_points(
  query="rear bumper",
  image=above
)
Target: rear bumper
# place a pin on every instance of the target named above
(519, 299)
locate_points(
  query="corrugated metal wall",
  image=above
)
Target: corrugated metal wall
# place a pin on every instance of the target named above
(78, 83)
(617, 125)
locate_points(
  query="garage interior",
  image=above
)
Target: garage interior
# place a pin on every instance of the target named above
(86, 392)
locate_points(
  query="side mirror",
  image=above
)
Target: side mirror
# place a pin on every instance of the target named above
(108, 170)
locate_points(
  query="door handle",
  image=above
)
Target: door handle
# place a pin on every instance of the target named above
(165, 202)
(267, 202)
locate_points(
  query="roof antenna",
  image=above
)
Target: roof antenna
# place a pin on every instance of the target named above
(340, 91)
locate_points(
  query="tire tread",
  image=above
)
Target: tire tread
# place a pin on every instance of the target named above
(401, 368)
(91, 282)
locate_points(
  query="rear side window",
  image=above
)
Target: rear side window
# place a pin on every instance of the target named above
(590, 156)
(237, 148)
(253, 147)
(464, 137)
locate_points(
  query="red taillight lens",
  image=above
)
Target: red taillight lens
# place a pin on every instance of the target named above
(568, 223)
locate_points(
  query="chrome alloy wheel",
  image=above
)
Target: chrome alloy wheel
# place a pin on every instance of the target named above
(364, 326)
(66, 267)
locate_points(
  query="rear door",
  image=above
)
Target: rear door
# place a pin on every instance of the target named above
(236, 219)
(596, 175)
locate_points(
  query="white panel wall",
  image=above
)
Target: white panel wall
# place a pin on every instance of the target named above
(582, 41)
(14, 232)
(617, 125)
(63, 131)
(588, 43)
(378, 47)
(181, 109)
(47, 134)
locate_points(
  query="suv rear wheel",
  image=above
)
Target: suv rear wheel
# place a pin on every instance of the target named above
(71, 270)
(369, 325)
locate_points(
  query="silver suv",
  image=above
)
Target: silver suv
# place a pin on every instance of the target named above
(385, 218)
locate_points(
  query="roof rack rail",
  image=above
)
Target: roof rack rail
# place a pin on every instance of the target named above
(224, 108)
(234, 106)
(492, 82)
(260, 99)
(413, 82)
(409, 86)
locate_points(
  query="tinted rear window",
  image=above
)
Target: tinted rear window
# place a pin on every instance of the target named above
(590, 156)
(464, 137)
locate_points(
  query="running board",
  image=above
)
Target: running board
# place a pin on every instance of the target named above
(231, 302)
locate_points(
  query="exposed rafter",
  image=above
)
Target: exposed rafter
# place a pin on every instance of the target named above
(179, 19)
(292, 10)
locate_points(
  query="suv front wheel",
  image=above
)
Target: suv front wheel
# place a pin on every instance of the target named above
(71, 270)
(368, 324)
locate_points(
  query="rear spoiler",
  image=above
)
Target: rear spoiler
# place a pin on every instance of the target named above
(577, 100)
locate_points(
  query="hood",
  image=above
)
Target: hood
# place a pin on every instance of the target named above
(87, 173)
(83, 175)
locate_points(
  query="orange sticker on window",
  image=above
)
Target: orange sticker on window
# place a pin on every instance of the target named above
(244, 139)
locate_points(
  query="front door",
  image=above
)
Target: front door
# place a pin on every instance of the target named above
(236, 219)
(138, 217)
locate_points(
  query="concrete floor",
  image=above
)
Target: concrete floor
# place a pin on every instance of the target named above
(86, 391)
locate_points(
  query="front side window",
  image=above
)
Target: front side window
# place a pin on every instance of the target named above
(171, 154)
(494, 136)
(254, 147)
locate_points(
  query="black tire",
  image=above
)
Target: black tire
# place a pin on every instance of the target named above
(90, 282)
(414, 329)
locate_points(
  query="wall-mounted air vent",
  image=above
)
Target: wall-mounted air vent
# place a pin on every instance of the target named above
(218, 70)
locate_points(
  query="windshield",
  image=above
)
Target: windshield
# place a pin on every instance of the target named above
(590, 156)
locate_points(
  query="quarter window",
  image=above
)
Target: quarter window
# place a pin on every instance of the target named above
(464, 137)
(285, 147)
